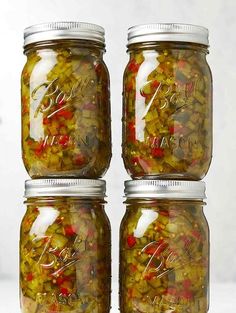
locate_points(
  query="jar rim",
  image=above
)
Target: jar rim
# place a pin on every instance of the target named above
(176, 32)
(65, 187)
(63, 30)
(165, 189)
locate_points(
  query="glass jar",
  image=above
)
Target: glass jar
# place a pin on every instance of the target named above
(66, 123)
(164, 248)
(167, 103)
(65, 261)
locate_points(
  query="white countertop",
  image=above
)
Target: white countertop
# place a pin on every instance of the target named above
(223, 298)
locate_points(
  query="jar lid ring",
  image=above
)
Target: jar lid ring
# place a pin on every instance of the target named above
(66, 187)
(175, 32)
(64, 30)
(165, 189)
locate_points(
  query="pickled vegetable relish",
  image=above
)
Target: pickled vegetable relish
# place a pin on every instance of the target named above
(66, 110)
(167, 111)
(164, 257)
(65, 257)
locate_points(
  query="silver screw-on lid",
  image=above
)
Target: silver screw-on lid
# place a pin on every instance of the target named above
(168, 32)
(65, 187)
(165, 189)
(64, 30)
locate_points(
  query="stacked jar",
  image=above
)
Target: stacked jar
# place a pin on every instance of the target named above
(167, 150)
(66, 147)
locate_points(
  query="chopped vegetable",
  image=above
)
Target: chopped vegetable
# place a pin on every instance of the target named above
(65, 257)
(131, 241)
(66, 124)
(167, 113)
(165, 269)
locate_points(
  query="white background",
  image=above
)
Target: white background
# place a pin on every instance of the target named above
(116, 16)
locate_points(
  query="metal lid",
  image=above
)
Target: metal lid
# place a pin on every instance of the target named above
(165, 189)
(64, 30)
(168, 32)
(65, 187)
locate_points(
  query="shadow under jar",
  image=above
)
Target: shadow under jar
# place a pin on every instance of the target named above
(164, 248)
(65, 257)
(66, 123)
(167, 103)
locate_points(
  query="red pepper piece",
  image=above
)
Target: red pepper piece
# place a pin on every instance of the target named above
(69, 230)
(181, 64)
(187, 283)
(29, 277)
(186, 294)
(133, 66)
(98, 68)
(176, 129)
(53, 307)
(46, 121)
(79, 160)
(155, 84)
(25, 108)
(187, 240)
(133, 268)
(64, 291)
(131, 129)
(60, 280)
(56, 253)
(63, 140)
(142, 163)
(46, 239)
(129, 87)
(197, 234)
(156, 248)
(24, 100)
(65, 113)
(28, 221)
(190, 88)
(158, 153)
(151, 250)
(131, 241)
(39, 150)
(164, 213)
(150, 275)
(172, 130)
(135, 160)
(30, 142)
(131, 126)
(130, 293)
(59, 220)
(194, 162)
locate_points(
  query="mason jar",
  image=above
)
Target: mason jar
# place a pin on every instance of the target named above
(65, 260)
(167, 103)
(164, 248)
(66, 122)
